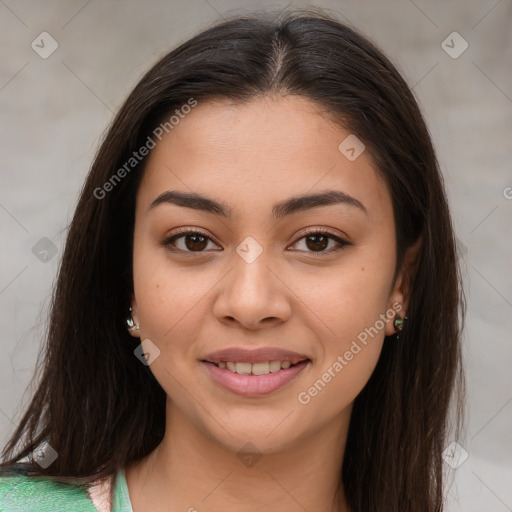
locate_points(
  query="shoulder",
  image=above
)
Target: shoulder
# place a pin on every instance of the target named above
(19, 491)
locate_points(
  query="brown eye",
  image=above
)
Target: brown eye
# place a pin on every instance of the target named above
(318, 241)
(197, 242)
(193, 241)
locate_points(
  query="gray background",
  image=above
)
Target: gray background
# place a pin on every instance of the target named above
(55, 110)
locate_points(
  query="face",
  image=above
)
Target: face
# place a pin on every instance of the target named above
(262, 282)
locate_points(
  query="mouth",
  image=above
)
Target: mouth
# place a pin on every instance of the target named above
(256, 379)
(255, 372)
(259, 368)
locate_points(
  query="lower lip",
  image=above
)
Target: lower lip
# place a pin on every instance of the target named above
(254, 385)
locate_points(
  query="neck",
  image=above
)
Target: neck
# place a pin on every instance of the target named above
(194, 472)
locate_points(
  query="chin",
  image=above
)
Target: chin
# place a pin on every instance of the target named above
(248, 434)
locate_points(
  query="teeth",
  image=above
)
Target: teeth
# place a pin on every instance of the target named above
(274, 366)
(256, 368)
(260, 368)
(243, 368)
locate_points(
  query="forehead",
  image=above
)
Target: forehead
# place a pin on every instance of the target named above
(258, 153)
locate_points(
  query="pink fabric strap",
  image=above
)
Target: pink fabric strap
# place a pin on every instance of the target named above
(100, 494)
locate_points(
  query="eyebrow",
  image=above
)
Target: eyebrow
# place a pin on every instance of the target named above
(279, 210)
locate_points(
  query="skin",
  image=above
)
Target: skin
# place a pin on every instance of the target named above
(292, 296)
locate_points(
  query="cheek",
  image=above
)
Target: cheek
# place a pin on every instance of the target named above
(334, 386)
(350, 313)
(174, 302)
(347, 299)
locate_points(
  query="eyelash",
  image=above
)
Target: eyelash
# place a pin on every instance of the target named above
(167, 242)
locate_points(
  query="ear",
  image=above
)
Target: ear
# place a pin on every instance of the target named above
(135, 315)
(399, 297)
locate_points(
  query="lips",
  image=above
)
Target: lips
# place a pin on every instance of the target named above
(259, 355)
(254, 373)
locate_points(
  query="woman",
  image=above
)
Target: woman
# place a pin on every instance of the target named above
(258, 303)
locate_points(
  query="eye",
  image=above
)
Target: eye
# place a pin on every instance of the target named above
(194, 241)
(317, 241)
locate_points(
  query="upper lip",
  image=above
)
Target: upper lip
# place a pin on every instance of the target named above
(258, 355)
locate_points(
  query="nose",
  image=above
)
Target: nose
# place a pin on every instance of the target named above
(253, 295)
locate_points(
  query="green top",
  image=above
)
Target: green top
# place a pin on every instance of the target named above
(19, 492)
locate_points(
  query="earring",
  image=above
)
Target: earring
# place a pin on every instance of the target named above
(132, 326)
(399, 324)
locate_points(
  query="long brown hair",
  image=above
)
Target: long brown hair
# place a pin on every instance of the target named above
(100, 409)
